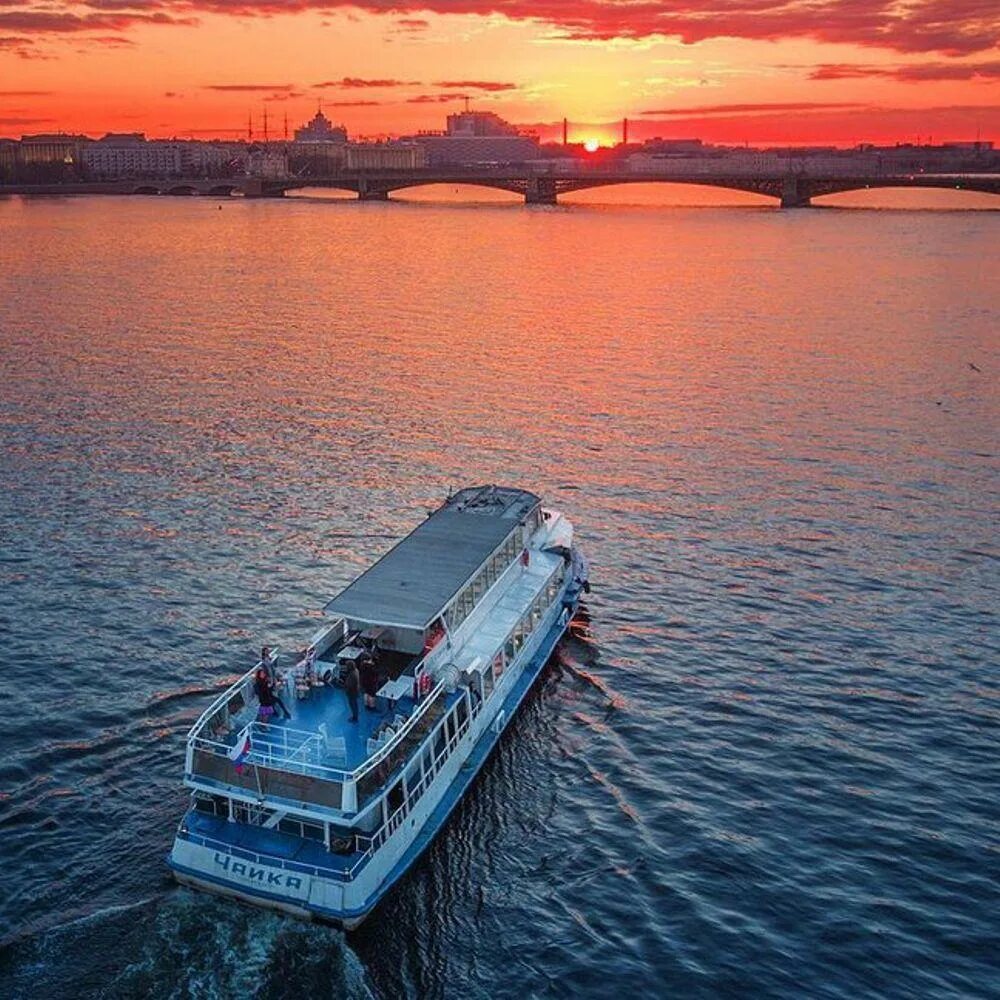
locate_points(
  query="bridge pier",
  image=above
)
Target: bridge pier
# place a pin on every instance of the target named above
(540, 191)
(794, 193)
(256, 187)
(371, 191)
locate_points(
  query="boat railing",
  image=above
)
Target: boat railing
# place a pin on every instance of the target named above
(375, 840)
(279, 745)
(400, 735)
(273, 861)
(299, 752)
(241, 688)
(295, 751)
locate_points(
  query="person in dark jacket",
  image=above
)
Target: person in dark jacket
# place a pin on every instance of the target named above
(369, 680)
(265, 693)
(352, 684)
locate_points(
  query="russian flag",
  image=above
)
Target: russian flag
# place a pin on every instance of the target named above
(240, 749)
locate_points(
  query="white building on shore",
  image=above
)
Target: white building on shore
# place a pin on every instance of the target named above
(130, 154)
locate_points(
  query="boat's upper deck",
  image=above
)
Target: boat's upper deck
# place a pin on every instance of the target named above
(321, 731)
(413, 582)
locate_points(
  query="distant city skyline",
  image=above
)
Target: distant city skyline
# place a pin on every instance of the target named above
(719, 125)
(757, 71)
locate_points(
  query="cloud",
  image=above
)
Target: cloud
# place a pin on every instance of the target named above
(23, 93)
(433, 98)
(412, 23)
(351, 104)
(357, 83)
(112, 41)
(22, 48)
(25, 121)
(47, 21)
(909, 73)
(952, 27)
(750, 109)
(490, 86)
(249, 88)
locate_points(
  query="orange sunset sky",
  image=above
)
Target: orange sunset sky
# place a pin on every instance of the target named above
(761, 71)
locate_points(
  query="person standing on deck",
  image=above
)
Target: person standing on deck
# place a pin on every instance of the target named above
(264, 688)
(352, 684)
(369, 679)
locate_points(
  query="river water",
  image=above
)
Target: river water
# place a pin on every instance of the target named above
(766, 767)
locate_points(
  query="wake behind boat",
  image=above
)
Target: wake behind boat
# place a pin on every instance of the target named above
(320, 815)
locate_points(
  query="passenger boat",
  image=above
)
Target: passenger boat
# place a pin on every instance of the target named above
(318, 815)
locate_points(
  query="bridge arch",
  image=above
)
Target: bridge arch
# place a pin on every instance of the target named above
(182, 189)
(669, 191)
(225, 190)
(766, 188)
(464, 189)
(497, 185)
(304, 183)
(929, 184)
(146, 189)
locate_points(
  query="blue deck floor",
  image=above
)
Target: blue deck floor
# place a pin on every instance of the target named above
(329, 705)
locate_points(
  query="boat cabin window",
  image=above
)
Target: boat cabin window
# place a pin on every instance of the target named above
(395, 796)
(511, 549)
(301, 828)
(212, 805)
(491, 571)
(462, 713)
(415, 782)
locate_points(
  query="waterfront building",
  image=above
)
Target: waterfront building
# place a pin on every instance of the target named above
(477, 138)
(316, 158)
(477, 150)
(319, 147)
(479, 123)
(971, 155)
(8, 158)
(50, 148)
(385, 156)
(270, 162)
(674, 147)
(130, 154)
(321, 129)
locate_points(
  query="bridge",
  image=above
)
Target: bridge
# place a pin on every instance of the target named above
(537, 187)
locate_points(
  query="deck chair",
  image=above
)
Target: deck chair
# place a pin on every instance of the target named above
(336, 747)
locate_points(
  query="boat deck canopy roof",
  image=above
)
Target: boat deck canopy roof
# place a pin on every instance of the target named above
(413, 582)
